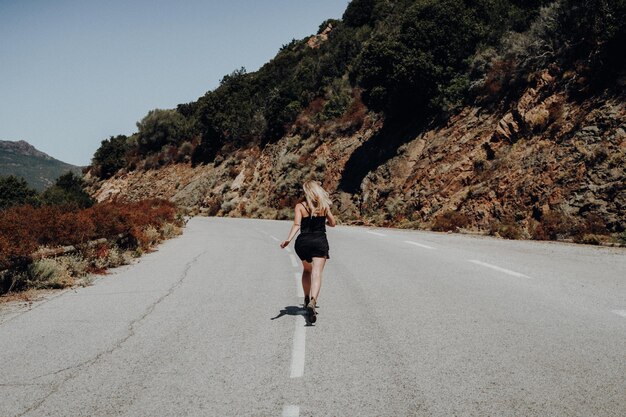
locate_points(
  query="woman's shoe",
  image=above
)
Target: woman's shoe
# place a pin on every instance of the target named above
(306, 300)
(310, 308)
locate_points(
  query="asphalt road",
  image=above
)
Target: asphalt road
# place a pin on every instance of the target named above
(410, 324)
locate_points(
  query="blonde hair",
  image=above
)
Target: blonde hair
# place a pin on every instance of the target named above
(316, 197)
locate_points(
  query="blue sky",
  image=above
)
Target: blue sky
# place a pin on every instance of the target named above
(73, 73)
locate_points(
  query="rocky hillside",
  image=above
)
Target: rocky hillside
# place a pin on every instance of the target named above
(534, 147)
(538, 176)
(40, 170)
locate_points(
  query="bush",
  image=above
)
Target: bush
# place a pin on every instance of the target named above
(596, 31)
(68, 190)
(403, 71)
(450, 221)
(554, 225)
(110, 156)
(170, 230)
(15, 191)
(359, 13)
(149, 236)
(75, 264)
(49, 273)
(594, 224)
(101, 257)
(13, 280)
(506, 228)
(159, 128)
(185, 150)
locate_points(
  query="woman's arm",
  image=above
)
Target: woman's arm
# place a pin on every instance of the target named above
(297, 218)
(330, 219)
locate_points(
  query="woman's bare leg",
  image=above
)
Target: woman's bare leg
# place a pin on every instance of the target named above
(306, 278)
(316, 276)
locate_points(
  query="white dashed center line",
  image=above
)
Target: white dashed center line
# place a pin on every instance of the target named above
(299, 289)
(421, 245)
(497, 268)
(275, 238)
(620, 312)
(376, 233)
(297, 352)
(291, 411)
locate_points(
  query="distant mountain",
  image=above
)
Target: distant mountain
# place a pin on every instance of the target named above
(39, 169)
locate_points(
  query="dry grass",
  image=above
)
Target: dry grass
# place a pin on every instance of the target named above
(49, 273)
(26, 296)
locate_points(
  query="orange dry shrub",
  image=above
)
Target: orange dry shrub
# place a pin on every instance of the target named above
(554, 225)
(18, 235)
(450, 221)
(108, 219)
(305, 122)
(153, 212)
(354, 115)
(498, 77)
(24, 229)
(58, 227)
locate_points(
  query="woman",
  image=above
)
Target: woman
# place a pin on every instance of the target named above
(312, 245)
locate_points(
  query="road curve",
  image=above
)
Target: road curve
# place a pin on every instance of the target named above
(410, 324)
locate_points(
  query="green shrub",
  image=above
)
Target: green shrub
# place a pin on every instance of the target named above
(68, 190)
(110, 157)
(13, 280)
(185, 150)
(15, 191)
(159, 128)
(403, 71)
(595, 29)
(359, 13)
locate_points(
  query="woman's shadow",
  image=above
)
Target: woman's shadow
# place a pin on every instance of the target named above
(293, 311)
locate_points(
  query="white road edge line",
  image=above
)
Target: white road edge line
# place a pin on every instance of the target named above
(288, 249)
(294, 261)
(291, 411)
(421, 245)
(275, 238)
(297, 352)
(375, 233)
(620, 312)
(497, 268)
(299, 289)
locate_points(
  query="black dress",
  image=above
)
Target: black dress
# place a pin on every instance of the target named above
(311, 242)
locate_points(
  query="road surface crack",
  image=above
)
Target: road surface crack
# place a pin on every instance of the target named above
(131, 332)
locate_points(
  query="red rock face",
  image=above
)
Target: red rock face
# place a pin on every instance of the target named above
(551, 158)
